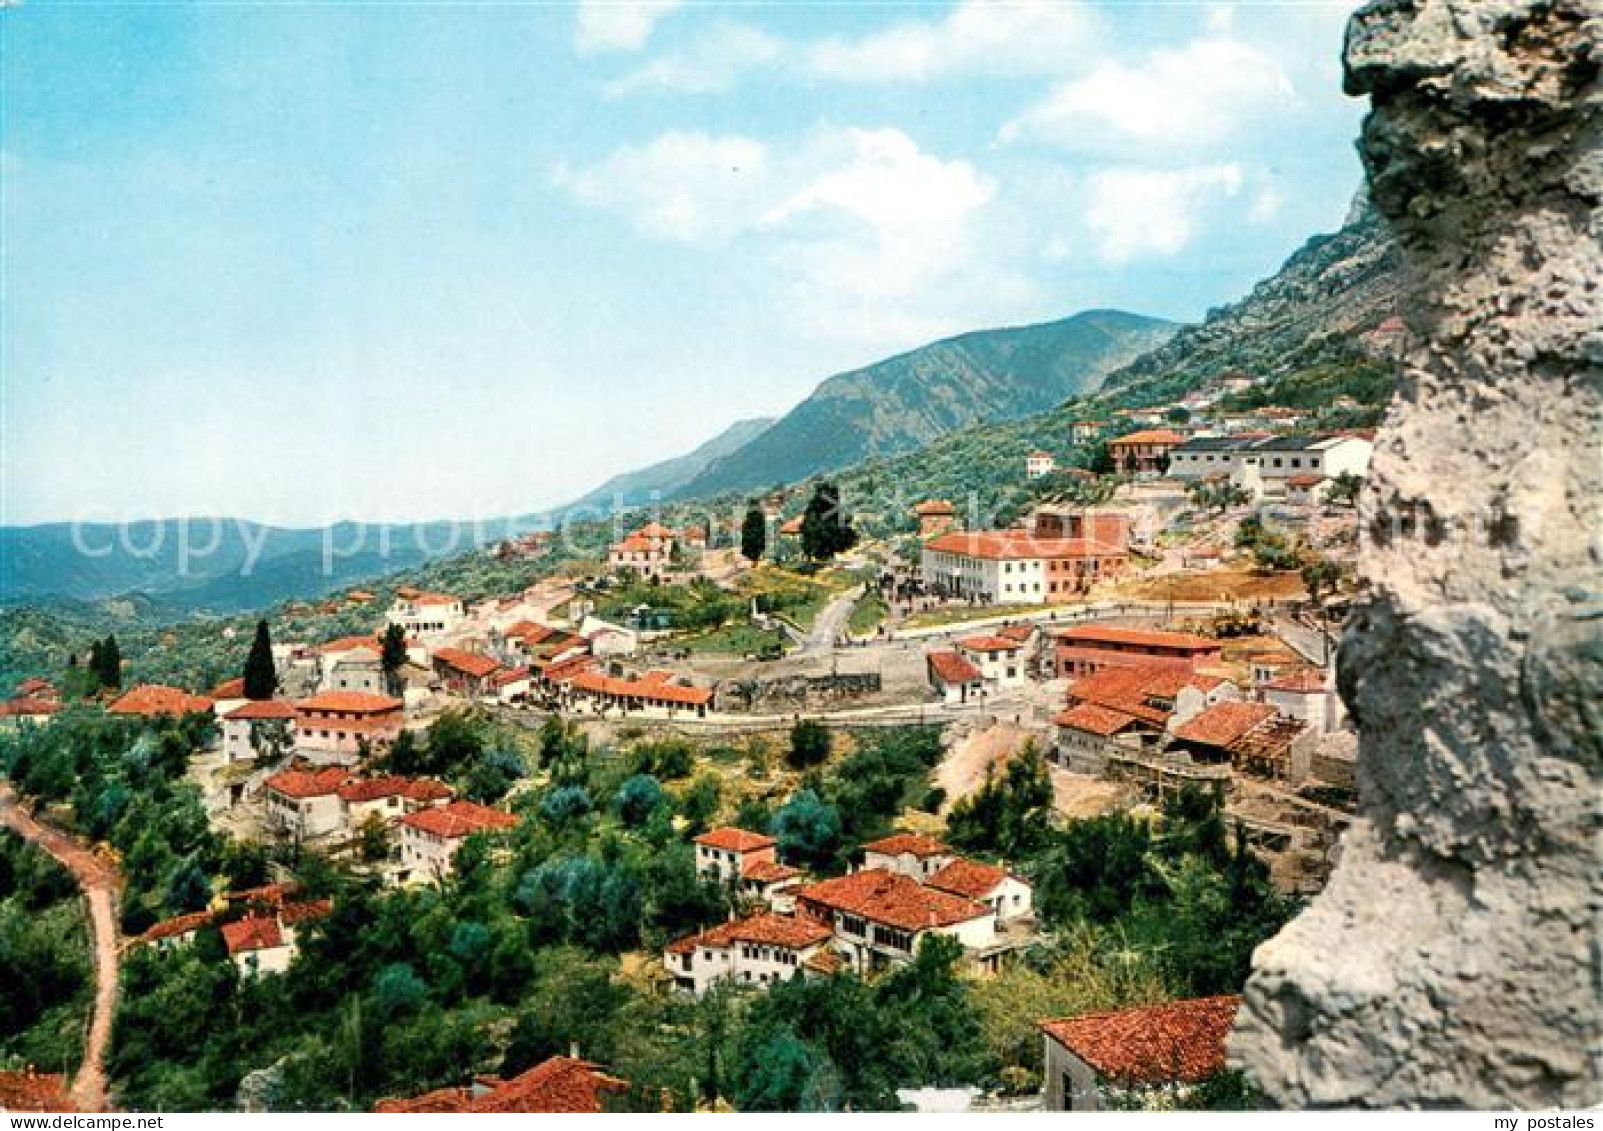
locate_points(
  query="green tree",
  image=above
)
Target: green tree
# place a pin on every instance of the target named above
(809, 744)
(1009, 814)
(754, 534)
(261, 677)
(1344, 489)
(105, 658)
(1320, 576)
(392, 656)
(807, 829)
(825, 530)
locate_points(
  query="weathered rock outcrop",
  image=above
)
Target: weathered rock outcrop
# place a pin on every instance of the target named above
(1453, 960)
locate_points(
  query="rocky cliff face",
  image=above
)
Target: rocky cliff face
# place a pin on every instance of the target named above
(1453, 959)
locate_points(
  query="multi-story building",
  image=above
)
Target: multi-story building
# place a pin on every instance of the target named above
(304, 802)
(1146, 452)
(432, 836)
(421, 613)
(879, 917)
(648, 551)
(1087, 648)
(758, 951)
(727, 853)
(1039, 463)
(1014, 567)
(1000, 660)
(335, 726)
(243, 726)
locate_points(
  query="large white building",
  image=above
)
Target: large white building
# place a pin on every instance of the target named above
(1013, 567)
(426, 614)
(758, 951)
(1264, 464)
(431, 836)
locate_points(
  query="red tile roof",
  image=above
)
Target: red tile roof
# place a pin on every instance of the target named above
(908, 844)
(293, 914)
(933, 507)
(263, 709)
(510, 676)
(989, 644)
(1180, 1041)
(375, 789)
(1092, 719)
(768, 871)
(308, 783)
(968, 878)
(765, 930)
(559, 1085)
(154, 699)
(40, 687)
(176, 927)
(268, 895)
(27, 1090)
(598, 683)
(1129, 690)
(1224, 723)
(459, 819)
(469, 663)
(1304, 480)
(1018, 632)
(24, 706)
(1151, 436)
(891, 898)
(350, 702)
(1014, 545)
(735, 840)
(1305, 680)
(949, 667)
(253, 932)
(1112, 634)
(791, 526)
(230, 689)
(351, 643)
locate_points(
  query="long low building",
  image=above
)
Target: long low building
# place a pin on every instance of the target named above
(1264, 464)
(1088, 648)
(1015, 567)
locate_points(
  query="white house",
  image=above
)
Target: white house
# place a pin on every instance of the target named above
(242, 726)
(257, 945)
(954, 679)
(726, 853)
(431, 837)
(1039, 463)
(1012, 567)
(304, 802)
(758, 951)
(422, 613)
(908, 854)
(1099, 1061)
(1008, 897)
(1308, 694)
(387, 798)
(879, 917)
(999, 659)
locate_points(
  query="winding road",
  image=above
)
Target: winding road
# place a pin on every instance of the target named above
(100, 883)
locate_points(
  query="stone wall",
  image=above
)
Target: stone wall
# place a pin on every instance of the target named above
(1453, 959)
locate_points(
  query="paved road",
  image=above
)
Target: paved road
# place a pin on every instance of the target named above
(831, 623)
(100, 884)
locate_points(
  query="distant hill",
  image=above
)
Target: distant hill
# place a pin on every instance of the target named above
(660, 480)
(249, 566)
(908, 400)
(1309, 311)
(1302, 327)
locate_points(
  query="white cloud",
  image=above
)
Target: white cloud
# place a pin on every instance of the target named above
(867, 237)
(1266, 205)
(1142, 213)
(683, 187)
(977, 37)
(715, 61)
(1185, 97)
(617, 25)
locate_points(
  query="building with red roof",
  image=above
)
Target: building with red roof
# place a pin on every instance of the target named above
(935, 517)
(388, 797)
(246, 727)
(1308, 694)
(424, 614)
(152, 700)
(432, 836)
(1252, 737)
(756, 951)
(878, 917)
(1086, 648)
(911, 854)
(1144, 453)
(1018, 567)
(654, 693)
(303, 802)
(1009, 897)
(340, 725)
(1000, 659)
(26, 710)
(561, 1085)
(1039, 463)
(257, 945)
(1093, 1058)
(954, 678)
(725, 853)
(1121, 711)
(464, 672)
(647, 551)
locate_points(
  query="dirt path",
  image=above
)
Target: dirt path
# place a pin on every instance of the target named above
(963, 770)
(100, 884)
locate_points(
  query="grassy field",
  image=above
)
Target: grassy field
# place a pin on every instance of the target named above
(867, 614)
(737, 639)
(1215, 585)
(792, 595)
(961, 614)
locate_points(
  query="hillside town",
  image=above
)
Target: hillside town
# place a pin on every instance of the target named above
(1161, 655)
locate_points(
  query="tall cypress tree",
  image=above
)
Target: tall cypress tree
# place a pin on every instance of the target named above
(108, 664)
(261, 678)
(754, 534)
(392, 655)
(825, 532)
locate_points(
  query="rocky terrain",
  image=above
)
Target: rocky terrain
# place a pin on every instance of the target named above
(1452, 961)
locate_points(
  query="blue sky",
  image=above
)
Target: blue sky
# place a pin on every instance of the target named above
(306, 262)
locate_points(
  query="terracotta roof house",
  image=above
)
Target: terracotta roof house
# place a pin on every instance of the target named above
(910, 854)
(759, 950)
(257, 945)
(954, 678)
(431, 837)
(1087, 648)
(464, 672)
(878, 916)
(1019, 567)
(1092, 1057)
(1253, 737)
(726, 853)
(561, 1085)
(27, 709)
(154, 699)
(27, 1090)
